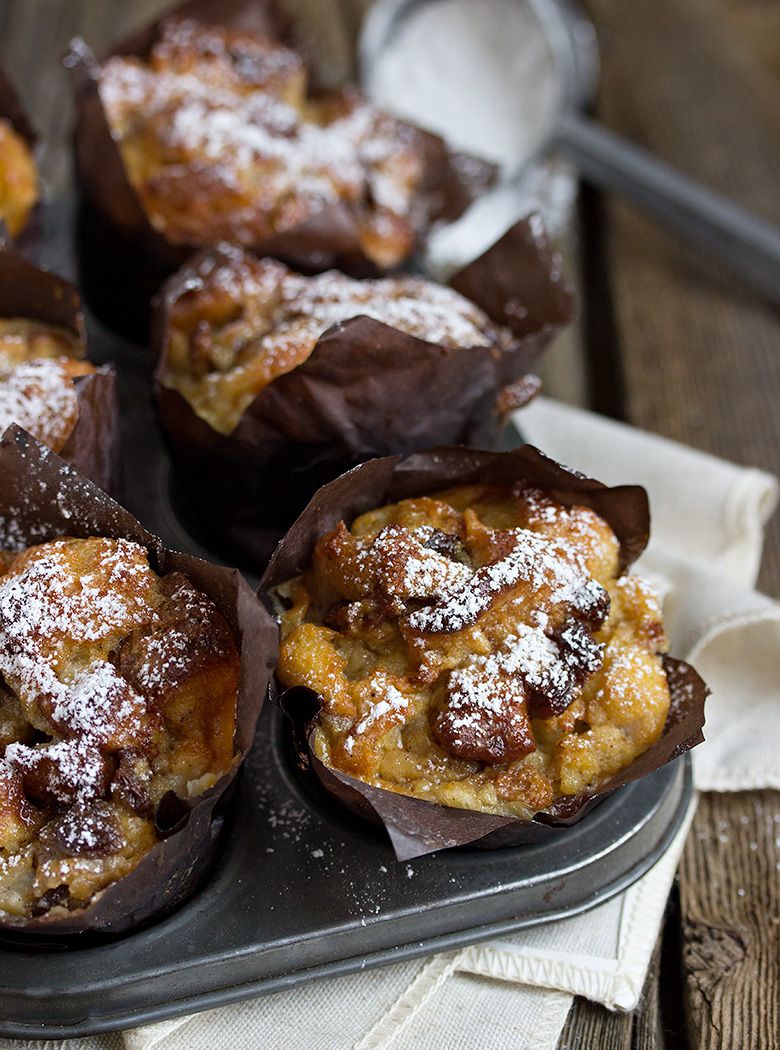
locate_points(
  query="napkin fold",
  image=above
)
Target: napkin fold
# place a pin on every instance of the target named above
(708, 527)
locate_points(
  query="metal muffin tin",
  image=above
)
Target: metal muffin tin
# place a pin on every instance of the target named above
(303, 889)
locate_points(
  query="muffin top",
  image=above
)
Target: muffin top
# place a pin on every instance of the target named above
(242, 321)
(18, 179)
(38, 363)
(220, 141)
(117, 686)
(479, 648)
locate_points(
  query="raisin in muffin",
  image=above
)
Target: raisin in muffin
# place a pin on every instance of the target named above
(241, 322)
(220, 140)
(481, 649)
(118, 690)
(38, 364)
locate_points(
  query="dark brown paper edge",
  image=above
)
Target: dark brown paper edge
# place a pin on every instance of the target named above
(330, 409)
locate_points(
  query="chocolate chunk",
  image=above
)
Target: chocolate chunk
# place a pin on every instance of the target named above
(581, 652)
(447, 544)
(61, 773)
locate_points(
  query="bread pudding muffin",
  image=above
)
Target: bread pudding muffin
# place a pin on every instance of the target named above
(464, 655)
(131, 680)
(241, 322)
(220, 141)
(480, 648)
(119, 689)
(208, 125)
(38, 364)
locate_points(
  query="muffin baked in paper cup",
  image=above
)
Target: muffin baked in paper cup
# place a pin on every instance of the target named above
(416, 826)
(123, 259)
(366, 390)
(37, 295)
(41, 498)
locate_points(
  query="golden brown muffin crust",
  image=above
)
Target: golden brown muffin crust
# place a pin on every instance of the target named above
(38, 363)
(117, 686)
(479, 649)
(220, 141)
(245, 321)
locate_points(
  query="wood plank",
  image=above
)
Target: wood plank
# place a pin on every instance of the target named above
(679, 348)
(730, 899)
(648, 1029)
(591, 1027)
(35, 36)
(699, 353)
(758, 23)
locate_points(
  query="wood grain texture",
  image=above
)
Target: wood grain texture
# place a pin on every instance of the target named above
(677, 347)
(700, 354)
(730, 902)
(591, 1027)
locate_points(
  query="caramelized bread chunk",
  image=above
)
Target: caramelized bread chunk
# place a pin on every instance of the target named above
(479, 649)
(118, 686)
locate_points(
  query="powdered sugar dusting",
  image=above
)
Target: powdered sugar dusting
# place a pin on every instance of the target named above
(385, 703)
(39, 396)
(545, 564)
(234, 115)
(40, 605)
(280, 315)
(410, 304)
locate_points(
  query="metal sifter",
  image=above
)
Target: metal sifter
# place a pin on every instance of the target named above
(568, 64)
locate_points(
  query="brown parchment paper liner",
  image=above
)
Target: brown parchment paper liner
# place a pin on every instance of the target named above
(416, 826)
(366, 390)
(29, 292)
(41, 497)
(123, 259)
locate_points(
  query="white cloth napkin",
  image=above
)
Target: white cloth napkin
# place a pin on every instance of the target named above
(708, 521)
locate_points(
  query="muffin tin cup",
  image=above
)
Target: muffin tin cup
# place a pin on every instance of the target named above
(245, 488)
(417, 826)
(123, 259)
(41, 497)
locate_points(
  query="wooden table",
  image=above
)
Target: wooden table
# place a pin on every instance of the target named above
(666, 342)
